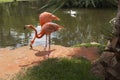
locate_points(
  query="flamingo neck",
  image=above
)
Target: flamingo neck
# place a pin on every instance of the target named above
(35, 31)
(37, 35)
(40, 35)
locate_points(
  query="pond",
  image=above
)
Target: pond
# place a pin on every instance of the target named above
(81, 25)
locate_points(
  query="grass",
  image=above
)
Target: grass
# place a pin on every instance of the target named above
(87, 45)
(59, 69)
(13, 0)
(6, 1)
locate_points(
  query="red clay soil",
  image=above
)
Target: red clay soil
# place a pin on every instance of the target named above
(12, 61)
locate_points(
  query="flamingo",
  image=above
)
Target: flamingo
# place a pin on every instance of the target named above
(47, 17)
(44, 18)
(46, 29)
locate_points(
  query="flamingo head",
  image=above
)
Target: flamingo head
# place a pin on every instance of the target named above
(47, 17)
(28, 26)
(53, 17)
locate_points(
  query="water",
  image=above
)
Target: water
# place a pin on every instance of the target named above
(81, 25)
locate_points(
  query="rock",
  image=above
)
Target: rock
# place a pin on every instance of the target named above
(107, 67)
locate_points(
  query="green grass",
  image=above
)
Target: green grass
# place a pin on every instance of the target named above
(6, 1)
(59, 69)
(87, 45)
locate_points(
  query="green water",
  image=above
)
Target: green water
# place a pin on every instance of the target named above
(86, 25)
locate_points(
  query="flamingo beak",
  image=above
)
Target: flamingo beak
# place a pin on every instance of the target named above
(57, 18)
(61, 27)
(26, 26)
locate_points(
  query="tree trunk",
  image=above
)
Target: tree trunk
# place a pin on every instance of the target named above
(108, 65)
(117, 22)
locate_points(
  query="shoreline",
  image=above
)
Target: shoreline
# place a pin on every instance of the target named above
(12, 61)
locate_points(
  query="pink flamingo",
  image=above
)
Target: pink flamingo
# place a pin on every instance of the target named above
(46, 29)
(44, 18)
(47, 17)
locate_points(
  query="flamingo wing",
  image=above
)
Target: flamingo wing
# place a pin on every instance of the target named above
(50, 27)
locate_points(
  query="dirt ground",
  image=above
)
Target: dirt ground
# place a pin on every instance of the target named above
(12, 61)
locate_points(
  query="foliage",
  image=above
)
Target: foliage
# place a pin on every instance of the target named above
(89, 45)
(6, 1)
(59, 69)
(81, 3)
(99, 46)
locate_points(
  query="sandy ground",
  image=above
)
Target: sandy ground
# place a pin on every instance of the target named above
(12, 61)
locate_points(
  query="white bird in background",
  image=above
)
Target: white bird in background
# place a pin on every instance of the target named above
(112, 21)
(72, 13)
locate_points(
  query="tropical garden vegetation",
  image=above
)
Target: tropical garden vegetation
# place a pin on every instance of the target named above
(81, 3)
(59, 69)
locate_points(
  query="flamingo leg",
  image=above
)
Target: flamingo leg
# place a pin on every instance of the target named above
(49, 44)
(45, 43)
(31, 43)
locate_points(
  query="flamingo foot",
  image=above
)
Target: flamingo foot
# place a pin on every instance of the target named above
(31, 47)
(32, 41)
(47, 56)
(49, 53)
(44, 49)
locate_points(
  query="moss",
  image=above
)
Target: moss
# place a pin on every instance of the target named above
(93, 44)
